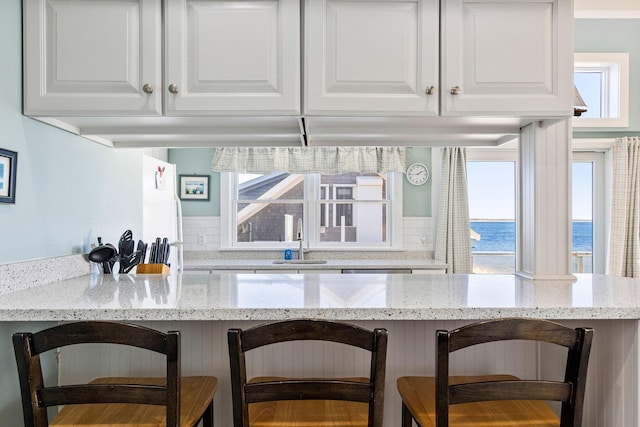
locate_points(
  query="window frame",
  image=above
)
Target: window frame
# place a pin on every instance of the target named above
(311, 217)
(335, 203)
(594, 150)
(615, 86)
(599, 202)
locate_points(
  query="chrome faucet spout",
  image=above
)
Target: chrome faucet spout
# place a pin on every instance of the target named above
(301, 251)
(300, 239)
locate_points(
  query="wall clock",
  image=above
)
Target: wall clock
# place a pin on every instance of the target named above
(417, 174)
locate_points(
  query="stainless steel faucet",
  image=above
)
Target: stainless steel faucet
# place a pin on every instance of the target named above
(300, 239)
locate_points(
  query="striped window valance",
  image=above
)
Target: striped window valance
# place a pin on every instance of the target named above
(325, 160)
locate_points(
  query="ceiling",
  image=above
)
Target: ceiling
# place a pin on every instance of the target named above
(603, 9)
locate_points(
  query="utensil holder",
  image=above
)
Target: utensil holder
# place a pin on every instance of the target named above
(152, 269)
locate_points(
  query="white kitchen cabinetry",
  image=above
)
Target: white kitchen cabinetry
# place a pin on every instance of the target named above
(232, 57)
(371, 57)
(92, 58)
(507, 57)
(496, 57)
(431, 271)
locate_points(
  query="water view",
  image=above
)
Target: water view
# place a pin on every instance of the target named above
(494, 252)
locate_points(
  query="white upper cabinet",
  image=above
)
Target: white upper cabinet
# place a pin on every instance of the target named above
(92, 57)
(496, 57)
(507, 57)
(232, 57)
(104, 57)
(371, 57)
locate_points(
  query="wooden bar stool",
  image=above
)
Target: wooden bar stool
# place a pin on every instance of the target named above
(107, 402)
(499, 400)
(308, 402)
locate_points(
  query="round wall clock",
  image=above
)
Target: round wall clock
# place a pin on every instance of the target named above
(417, 174)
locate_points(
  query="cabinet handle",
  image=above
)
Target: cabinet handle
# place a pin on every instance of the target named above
(430, 90)
(173, 88)
(456, 90)
(147, 88)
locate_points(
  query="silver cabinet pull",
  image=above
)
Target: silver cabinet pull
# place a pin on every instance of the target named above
(430, 90)
(173, 88)
(147, 88)
(456, 90)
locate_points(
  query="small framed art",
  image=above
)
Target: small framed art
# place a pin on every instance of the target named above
(194, 187)
(8, 171)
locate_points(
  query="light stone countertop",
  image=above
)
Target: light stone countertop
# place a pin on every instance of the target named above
(327, 296)
(311, 264)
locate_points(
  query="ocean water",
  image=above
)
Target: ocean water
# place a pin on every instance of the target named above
(500, 236)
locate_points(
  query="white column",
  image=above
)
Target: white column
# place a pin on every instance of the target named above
(543, 214)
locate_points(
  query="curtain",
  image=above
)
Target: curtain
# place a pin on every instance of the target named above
(453, 245)
(624, 258)
(325, 160)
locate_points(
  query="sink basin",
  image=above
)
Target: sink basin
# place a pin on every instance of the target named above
(300, 261)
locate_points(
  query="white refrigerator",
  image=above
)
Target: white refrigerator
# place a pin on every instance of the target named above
(161, 209)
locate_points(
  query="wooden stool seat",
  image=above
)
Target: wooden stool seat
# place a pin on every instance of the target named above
(418, 394)
(308, 413)
(195, 393)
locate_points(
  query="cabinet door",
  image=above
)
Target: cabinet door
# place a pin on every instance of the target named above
(507, 57)
(232, 57)
(371, 57)
(85, 58)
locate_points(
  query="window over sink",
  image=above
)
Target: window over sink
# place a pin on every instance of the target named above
(349, 210)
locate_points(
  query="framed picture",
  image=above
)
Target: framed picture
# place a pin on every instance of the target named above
(194, 187)
(8, 167)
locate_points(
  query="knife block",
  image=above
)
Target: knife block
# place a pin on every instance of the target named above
(152, 269)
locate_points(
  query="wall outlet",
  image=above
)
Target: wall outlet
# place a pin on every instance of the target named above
(202, 239)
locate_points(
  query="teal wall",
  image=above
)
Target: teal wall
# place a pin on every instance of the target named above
(189, 161)
(69, 190)
(613, 35)
(197, 161)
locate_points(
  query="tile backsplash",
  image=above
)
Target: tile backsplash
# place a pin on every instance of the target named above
(202, 233)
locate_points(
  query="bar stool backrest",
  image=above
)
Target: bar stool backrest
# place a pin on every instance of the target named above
(244, 393)
(570, 391)
(36, 397)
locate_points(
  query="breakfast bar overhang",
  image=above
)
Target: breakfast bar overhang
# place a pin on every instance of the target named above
(412, 307)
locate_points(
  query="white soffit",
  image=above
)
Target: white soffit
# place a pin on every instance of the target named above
(607, 9)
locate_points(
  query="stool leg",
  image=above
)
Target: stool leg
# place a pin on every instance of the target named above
(406, 416)
(207, 417)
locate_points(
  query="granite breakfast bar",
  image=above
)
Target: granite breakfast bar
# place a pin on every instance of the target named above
(411, 307)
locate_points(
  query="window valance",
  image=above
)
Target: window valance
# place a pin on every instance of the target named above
(325, 160)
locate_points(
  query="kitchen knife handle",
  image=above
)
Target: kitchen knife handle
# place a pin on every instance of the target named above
(166, 254)
(156, 259)
(165, 247)
(152, 255)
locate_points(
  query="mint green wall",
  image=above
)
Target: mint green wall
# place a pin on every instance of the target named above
(417, 200)
(613, 35)
(69, 190)
(190, 161)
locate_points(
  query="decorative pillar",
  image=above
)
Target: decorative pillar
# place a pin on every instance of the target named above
(543, 213)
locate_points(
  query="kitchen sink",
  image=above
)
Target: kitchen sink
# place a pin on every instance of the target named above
(300, 261)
